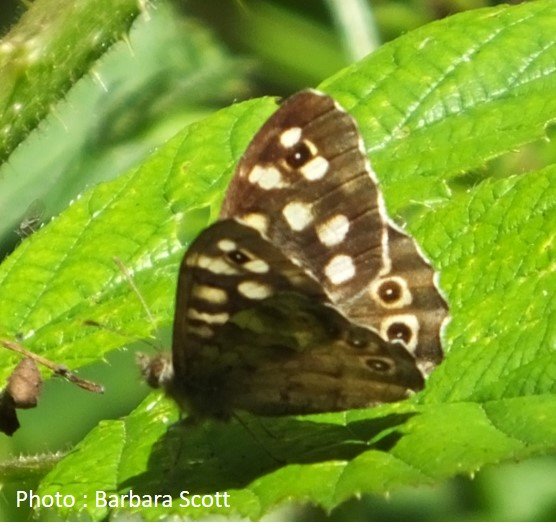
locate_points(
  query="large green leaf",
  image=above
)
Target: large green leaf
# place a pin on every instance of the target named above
(437, 102)
(450, 95)
(492, 399)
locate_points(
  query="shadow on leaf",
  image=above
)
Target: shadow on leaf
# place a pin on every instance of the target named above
(217, 456)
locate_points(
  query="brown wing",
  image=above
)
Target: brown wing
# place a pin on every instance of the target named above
(254, 331)
(404, 302)
(306, 183)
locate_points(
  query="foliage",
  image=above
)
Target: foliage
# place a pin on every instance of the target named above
(432, 105)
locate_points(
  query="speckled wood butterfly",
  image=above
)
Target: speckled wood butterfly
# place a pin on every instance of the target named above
(305, 297)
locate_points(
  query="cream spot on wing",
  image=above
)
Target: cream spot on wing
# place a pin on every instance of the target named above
(340, 269)
(212, 318)
(226, 245)
(386, 261)
(333, 231)
(191, 259)
(258, 266)
(315, 169)
(290, 137)
(200, 330)
(257, 221)
(298, 215)
(254, 290)
(311, 146)
(266, 177)
(216, 265)
(426, 367)
(210, 294)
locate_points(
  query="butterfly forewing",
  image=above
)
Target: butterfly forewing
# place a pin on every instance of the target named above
(305, 182)
(405, 303)
(254, 331)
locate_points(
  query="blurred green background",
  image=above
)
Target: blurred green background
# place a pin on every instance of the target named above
(181, 63)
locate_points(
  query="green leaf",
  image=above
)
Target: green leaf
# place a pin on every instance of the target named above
(430, 105)
(496, 251)
(326, 459)
(448, 96)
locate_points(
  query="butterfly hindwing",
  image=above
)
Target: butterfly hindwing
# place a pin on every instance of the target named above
(254, 331)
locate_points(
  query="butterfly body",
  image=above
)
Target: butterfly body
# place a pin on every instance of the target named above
(305, 297)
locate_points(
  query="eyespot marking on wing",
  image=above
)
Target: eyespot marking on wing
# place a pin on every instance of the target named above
(391, 292)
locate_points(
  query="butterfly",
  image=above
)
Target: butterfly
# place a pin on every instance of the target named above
(304, 297)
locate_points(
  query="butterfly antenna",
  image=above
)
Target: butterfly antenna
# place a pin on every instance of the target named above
(93, 323)
(57, 369)
(125, 271)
